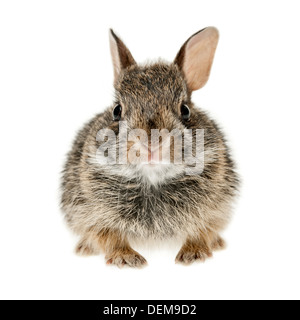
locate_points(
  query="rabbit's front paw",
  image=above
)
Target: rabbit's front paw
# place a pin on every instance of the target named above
(218, 244)
(85, 249)
(126, 257)
(193, 253)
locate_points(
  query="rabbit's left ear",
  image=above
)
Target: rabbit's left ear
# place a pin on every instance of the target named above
(121, 56)
(196, 56)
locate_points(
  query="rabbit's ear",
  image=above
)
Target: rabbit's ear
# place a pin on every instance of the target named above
(196, 56)
(121, 56)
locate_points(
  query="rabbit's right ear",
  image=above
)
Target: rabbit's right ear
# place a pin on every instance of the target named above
(196, 56)
(121, 56)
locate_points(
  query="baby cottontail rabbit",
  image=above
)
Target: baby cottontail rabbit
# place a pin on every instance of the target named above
(111, 197)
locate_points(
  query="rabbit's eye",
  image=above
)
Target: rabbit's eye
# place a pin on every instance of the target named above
(185, 112)
(117, 113)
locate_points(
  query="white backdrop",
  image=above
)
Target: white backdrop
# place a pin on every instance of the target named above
(56, 73)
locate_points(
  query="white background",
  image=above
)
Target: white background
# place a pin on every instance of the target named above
(55, 74)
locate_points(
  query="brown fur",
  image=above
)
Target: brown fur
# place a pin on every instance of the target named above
(109, 205)
(115, 245)
(200, 248)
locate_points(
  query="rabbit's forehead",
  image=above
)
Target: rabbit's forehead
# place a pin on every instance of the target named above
(156, 83)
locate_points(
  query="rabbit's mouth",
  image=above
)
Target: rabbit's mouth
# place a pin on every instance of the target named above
(151, 155)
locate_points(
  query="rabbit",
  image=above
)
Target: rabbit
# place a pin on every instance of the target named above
(109, 205)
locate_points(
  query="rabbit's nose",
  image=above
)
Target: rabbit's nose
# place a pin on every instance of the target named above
(153, 153)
